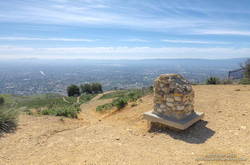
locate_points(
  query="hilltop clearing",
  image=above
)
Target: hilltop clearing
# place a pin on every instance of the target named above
(122, 137)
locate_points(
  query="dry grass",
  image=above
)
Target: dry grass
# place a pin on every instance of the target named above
(123, 137)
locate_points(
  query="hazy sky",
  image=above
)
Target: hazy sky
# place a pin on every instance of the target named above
(124, 29)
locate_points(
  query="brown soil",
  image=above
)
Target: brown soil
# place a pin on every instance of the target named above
(123, 138)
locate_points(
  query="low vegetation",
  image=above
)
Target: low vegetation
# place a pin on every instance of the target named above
(122, 97)
(57, 105)
(53, 104)
(104, 107)
(8, 116)
(38, 101)
(246, 67)
(216, 81)
(213, 80)
(8, 119)
(66, 110)
(44, 104)
(120, 102)
(1, 100)
(245, 81)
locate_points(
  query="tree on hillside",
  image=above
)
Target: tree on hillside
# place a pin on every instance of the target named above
(213, 80)
(1, 100)
(246, 68)
(91, 88)
(73, 90)
(96, 88)
(86, 88)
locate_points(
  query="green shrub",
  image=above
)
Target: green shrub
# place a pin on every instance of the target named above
(247, 69)
(51, 104)
(245, 81)
(213, 80)
(67, 111)
(1, 100)
(122, 98)
(104, 107)
(8, 119)
(120, 103)
(38, 101)
(28, 112)
(133, 96)
(86, 97)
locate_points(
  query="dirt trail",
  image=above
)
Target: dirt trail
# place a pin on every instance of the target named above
(65, 100)
(123, 137)
(88, 110)
(78, 99)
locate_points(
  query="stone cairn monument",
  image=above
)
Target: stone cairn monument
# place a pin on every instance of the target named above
(173, 103)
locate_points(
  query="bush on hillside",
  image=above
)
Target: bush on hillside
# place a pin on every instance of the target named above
(213, 81)
(122, 97)
(67, 111)
(53, 104)
(73, 90)
(245, 81)
(104, 107)
(8, 119)
(1, 100)
(120, 103)
(246, 67)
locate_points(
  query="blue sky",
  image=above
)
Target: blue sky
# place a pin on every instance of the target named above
(124, 29)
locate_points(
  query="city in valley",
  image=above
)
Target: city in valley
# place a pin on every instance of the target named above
(34, 76)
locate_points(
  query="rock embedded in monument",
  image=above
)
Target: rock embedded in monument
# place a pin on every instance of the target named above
(173, 102)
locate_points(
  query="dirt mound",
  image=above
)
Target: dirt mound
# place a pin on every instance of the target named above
(122, 137)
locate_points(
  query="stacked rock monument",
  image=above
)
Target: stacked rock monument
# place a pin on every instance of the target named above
(173, 102)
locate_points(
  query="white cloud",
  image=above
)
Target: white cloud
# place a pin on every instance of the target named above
(7, 52)
(224, 32)
(45, 39)
(135, 40)
(168, 17)
(193, 42)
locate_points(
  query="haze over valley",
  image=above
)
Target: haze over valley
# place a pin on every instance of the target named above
(34, 76)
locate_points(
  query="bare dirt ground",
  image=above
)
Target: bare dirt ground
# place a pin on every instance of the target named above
(123, 137)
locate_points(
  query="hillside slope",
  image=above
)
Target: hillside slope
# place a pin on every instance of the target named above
(123, 138)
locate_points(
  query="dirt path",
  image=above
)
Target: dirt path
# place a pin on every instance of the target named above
(88, 110)
(65, 100)
(78, 100)
(123, 138)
